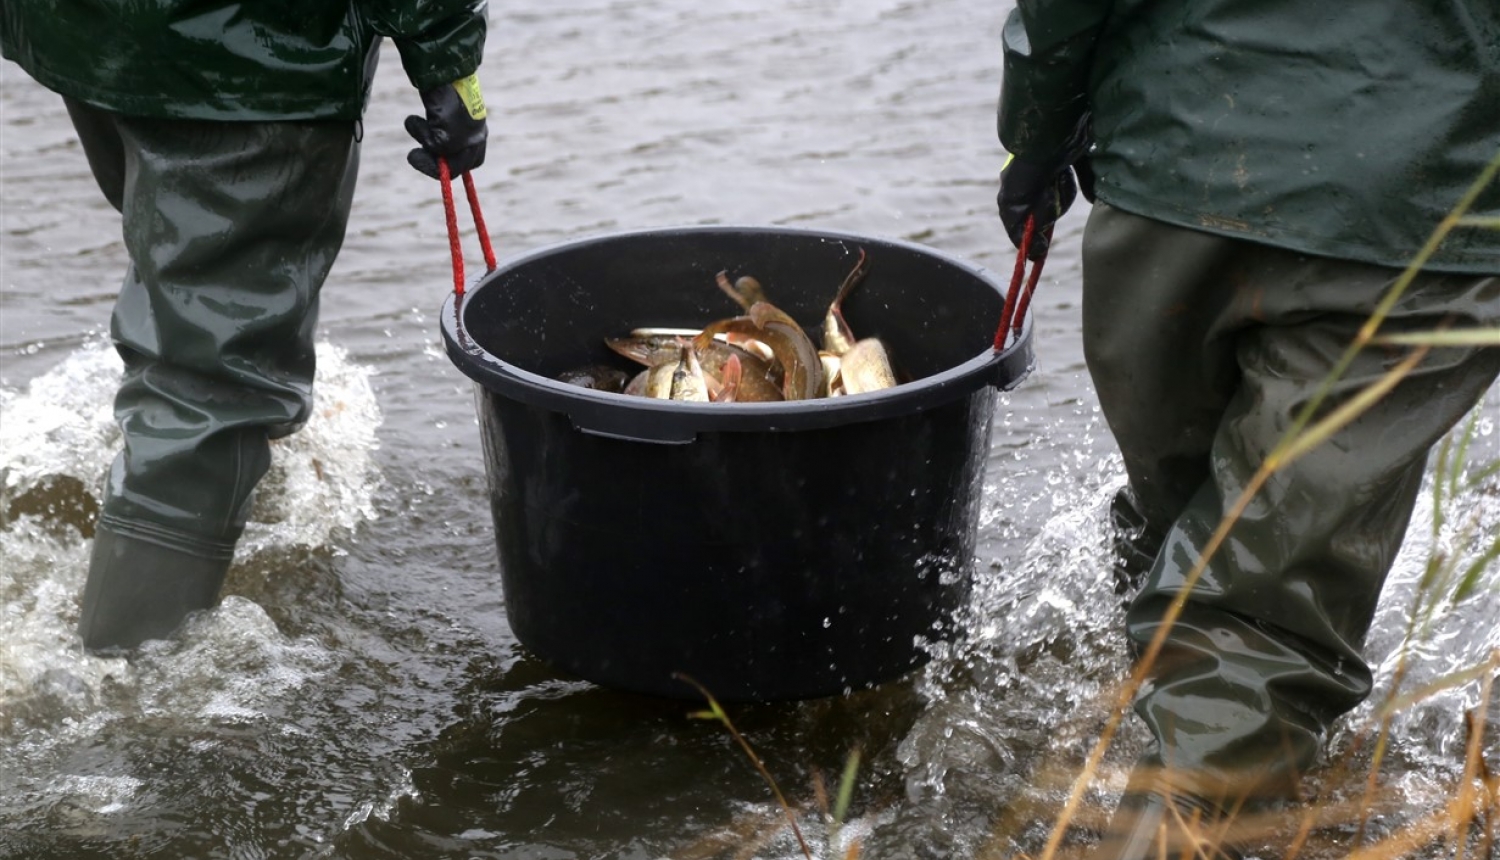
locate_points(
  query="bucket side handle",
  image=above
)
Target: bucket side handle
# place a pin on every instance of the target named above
(630, 425)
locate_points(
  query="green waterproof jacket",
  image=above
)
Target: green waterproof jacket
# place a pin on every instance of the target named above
(1321, 126)
(236, 59)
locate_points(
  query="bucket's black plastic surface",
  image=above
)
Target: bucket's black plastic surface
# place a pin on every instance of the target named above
(768, 550)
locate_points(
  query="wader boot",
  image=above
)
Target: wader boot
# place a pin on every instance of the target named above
(231, 228)
(139, 589)
(1203, 349)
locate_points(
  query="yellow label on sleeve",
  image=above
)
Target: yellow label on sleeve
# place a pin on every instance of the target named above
(468, 91)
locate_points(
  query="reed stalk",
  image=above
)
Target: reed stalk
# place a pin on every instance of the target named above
(716, 712)
(1305, 434)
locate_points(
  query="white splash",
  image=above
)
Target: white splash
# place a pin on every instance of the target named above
(228, 664)
(322, 478)
(103, 794)
(63, 425)
(382, 807)
(60, 434)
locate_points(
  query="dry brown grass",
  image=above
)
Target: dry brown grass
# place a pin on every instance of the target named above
(1335, 818)
(1473, 801)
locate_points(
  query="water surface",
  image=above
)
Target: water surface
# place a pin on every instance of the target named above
(359, 693)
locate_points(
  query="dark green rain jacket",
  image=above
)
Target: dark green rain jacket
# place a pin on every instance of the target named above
(236, 59)
(1322, 126)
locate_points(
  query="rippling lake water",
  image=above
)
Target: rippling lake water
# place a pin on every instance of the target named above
(359, 694)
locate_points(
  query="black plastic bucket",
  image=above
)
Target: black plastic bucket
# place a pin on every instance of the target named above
(768, 550)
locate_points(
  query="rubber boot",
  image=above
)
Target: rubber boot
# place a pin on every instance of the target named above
(1150, 826)
(138, 589)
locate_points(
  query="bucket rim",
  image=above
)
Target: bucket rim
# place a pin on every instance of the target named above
(670, 421)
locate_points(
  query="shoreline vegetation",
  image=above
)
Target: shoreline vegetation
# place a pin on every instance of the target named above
(1348, 809)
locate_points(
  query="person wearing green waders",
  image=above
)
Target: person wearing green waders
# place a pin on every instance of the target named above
(227, 135)
(1262, 171)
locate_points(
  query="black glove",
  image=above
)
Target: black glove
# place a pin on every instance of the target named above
(454, 128)
(1031, 189)
(1045, 189)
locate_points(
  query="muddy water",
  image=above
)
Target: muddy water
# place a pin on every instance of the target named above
(359, 694)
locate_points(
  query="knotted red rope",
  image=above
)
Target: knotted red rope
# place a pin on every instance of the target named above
(1017, 299)
(455, 246)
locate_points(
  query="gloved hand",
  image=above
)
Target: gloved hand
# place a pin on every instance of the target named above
(454, 128)
(1045, 187)
(1042, 189)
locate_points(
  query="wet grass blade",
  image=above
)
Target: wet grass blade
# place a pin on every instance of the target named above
(1440, 486)
(846, 789)
(715, 712)
(1451, 337)
(1447, 682)
(1346, 412)
(1469, 582)
(1473, 767)
(1297, 440)
(1484, 474)
(1471, 430)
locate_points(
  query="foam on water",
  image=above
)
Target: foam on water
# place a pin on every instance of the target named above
(225, 666)
(57, 439)
(101, 795)
(322, 478)
(382, 808)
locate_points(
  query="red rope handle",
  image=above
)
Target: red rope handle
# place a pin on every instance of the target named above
(484, 233)
(450, 214)
(1016, 301)
(454, 246)
(1025, 303)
